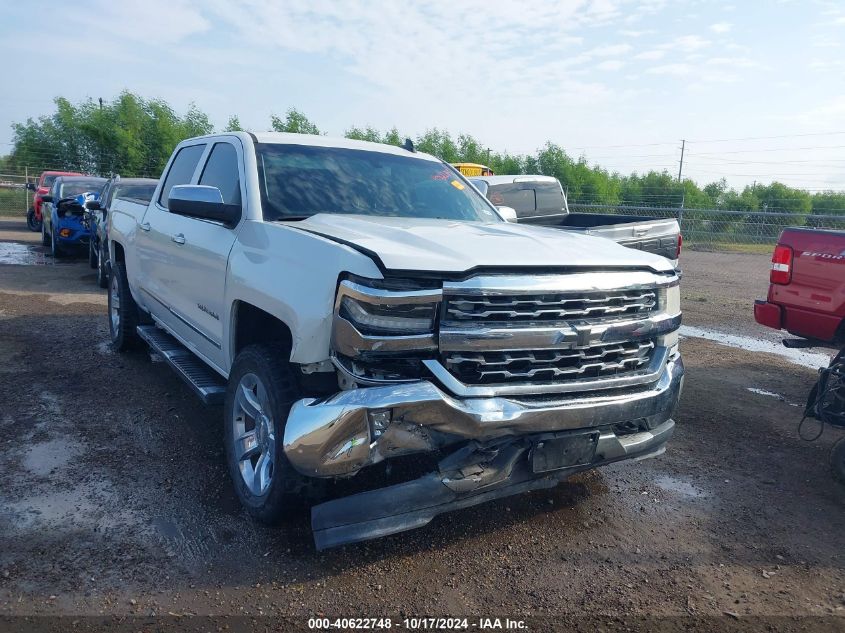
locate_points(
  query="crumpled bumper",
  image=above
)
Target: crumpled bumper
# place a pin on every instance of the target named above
(336, 436)
(476, 474)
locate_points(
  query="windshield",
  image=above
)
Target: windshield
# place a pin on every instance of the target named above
(69, 189)
(298, 181)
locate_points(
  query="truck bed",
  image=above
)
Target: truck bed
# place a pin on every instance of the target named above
(812, 304)
(652, 235)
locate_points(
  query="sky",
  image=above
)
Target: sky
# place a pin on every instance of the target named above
(756, 87)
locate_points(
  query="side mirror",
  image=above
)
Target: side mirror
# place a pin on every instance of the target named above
(46, 198)
(31, 186)
(508, 213)
(201, 201)
(93, 205)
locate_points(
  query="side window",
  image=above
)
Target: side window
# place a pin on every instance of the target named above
(221, 171)
(181, 170)
(517, 196)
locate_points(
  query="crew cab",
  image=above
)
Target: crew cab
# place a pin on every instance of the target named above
(807, 287)
(357, 306)
(541, 200)
(63, 208)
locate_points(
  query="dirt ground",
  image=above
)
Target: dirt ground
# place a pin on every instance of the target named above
(114, 498)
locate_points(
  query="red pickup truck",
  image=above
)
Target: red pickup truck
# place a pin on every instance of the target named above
(807, 286)
(807, 299)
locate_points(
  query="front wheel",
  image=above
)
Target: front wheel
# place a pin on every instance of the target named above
(55, 248)
(32, 222)
(260, 392)
(123, 312)
(837, 461)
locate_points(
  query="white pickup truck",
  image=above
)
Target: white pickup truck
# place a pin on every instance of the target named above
(353, 304)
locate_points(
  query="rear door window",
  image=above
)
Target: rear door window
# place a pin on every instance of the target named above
(181, 170)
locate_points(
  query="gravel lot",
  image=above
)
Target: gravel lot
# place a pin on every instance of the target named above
(114, 498)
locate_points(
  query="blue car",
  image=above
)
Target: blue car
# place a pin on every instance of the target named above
(63, 229)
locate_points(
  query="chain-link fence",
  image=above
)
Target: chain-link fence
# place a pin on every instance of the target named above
(720, 229)
(15, 198)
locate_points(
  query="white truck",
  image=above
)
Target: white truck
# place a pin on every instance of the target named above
(353, 304)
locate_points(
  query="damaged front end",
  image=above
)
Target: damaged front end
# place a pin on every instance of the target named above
(521, 381)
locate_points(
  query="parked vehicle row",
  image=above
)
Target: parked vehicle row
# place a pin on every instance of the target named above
(71, 211)
(42, 188)
(354, 306)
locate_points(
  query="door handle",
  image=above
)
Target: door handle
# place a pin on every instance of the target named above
(178, 238)
(145, 226)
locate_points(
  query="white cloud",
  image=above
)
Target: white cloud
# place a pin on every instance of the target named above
(610, 64)
(679, 70)
(688, 43)
(650, 55)
(721, 27)
(610, 51)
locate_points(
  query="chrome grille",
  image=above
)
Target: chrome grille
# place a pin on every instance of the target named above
(546, 366)
(547, 307)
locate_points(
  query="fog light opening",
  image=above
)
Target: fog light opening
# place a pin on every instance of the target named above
(379, 421)
(65, 232)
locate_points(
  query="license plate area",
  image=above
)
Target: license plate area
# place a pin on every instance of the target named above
(554, 452)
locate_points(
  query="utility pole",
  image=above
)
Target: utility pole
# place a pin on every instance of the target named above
(681, 168)
(683, 189)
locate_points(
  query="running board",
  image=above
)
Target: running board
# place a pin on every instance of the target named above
(204, 381)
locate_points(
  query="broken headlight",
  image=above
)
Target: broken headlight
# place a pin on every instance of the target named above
(385, 326)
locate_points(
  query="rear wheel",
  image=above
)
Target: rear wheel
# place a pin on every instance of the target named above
(123, 312)
(32, 223)
(261, 390)
(102, 268)
(837, 461)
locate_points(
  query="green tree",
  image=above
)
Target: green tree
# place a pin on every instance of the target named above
(295, 122)
(130, 135)
(233, 124)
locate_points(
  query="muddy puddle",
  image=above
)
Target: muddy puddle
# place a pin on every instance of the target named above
(23, 254)
(812, 360)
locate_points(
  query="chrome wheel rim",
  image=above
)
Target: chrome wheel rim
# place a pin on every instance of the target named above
(114, 306)
(254, 434)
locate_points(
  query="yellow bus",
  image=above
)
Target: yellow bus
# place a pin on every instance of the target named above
(473, 169)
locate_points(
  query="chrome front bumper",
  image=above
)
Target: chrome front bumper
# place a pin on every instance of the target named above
(334, 437)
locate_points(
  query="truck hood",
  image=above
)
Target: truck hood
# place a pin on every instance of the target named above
(419, 244)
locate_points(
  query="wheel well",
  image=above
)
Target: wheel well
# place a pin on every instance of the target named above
(119, 255)
(254, 325)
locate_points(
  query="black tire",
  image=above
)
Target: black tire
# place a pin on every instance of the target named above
(837, 461)
(92, 254)
(102, 268)
(55, 248)
(124, 335)
(288, 490)
(32, 223)
(45, 240)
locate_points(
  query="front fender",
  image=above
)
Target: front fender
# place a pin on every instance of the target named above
(292, 275)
